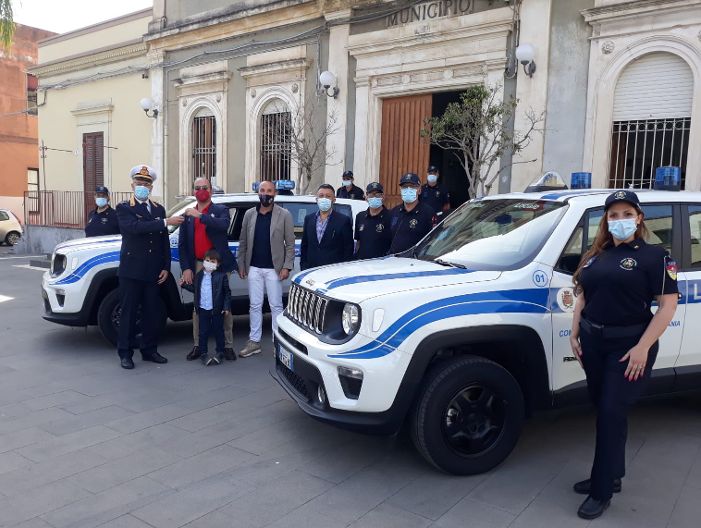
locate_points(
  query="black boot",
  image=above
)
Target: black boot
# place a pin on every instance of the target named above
(584, 487)
(592, 508)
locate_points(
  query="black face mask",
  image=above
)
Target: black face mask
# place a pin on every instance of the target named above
(265, 199)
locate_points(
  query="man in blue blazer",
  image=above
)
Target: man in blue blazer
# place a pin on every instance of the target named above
(206, 227)
(327, 237)
(144, 264)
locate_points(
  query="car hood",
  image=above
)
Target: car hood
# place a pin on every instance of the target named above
(366, 279)
(92, 243)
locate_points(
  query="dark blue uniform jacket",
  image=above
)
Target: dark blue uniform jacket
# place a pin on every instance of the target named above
(101, 224)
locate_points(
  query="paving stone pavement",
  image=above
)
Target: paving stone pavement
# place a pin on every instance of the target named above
(84, 443)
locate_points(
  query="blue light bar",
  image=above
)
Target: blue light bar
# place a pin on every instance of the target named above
(280, 185)
(668, 178)
(581, 180)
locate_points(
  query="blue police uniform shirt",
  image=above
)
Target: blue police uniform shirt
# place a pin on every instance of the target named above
(408, 227)
(435, 197)
(621, 283)
(354, 193)
(101, 224)
(261, 254)
(373, 233)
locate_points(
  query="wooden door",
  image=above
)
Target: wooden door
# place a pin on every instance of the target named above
(402, 149)
(93, 168)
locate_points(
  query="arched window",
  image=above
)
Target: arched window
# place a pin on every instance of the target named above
(275, 141)
(651, 119)
(204, 145)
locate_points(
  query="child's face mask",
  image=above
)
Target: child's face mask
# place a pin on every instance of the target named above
(209, 266)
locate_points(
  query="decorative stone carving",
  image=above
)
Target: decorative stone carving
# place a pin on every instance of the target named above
(253, 93)
(607, 47)
(295, 88)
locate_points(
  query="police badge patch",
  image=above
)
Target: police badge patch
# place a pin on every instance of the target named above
(620, 195)
(379, 228)
(412, 223)
(671, 268)
(628, 263)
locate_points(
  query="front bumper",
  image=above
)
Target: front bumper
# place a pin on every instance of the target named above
(57, 310)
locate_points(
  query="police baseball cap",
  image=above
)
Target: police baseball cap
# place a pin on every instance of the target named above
(347, 174)
(622, 196)
(375, 187)
(409, 178)
(102, 189)
(143, 171)
(432, 168)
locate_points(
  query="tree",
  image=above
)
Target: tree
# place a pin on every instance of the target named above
(309, 128)
(7, 25)
(478, 127)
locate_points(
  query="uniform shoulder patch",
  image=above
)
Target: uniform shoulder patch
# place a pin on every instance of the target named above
(670, 267)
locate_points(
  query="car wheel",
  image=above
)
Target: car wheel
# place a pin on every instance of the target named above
(12, 238)
(468, 416)
(108, 314)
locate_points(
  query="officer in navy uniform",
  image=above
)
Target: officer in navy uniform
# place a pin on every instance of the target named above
(433, 194)
(373, 229)
(615, 335)
(349, 189)
(411, 220)
(144, 264)
(103, 219)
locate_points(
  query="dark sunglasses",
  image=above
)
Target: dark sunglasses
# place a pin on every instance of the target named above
(201, 187)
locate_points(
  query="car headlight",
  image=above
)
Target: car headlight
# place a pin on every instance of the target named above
(350, 319)
(58, 264)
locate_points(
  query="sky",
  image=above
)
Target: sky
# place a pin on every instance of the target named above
(62, 16)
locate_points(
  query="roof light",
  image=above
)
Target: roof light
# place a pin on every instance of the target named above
(581, 180)
(550, 181)
(668, 178)
(280, 185)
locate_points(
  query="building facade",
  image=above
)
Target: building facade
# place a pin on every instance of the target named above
(18, 119)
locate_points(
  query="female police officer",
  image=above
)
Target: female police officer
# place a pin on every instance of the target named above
(614, 334)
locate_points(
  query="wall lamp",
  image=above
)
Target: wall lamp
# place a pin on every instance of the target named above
(328, 81)
(149, 107)
(525, 53)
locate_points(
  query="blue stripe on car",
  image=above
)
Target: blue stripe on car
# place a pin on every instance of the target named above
(112, 256)
(345, 281)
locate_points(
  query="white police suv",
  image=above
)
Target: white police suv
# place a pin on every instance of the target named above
(80, 288)
(468, 332)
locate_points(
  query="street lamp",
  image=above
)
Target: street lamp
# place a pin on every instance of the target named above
(328, 81)
(525, 53)
(147, 105)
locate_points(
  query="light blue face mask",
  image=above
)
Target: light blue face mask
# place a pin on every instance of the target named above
(101, 202)
(375, 203)
(432, 178)
(409, 194)
(141, 192)
(622, 229)
(324, 204)
(347, 183)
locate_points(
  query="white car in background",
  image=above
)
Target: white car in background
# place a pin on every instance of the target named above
(10, 228)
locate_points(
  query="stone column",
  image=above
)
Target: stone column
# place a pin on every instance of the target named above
(155, 61)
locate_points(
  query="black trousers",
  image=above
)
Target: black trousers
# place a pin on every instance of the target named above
(135, 294)
(612, 395)
(211, 324)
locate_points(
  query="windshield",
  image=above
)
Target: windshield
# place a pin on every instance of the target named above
(492, 234)
(179, 207)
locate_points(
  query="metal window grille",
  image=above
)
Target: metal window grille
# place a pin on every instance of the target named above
(639, 146)
(275, 146)
(204, 147)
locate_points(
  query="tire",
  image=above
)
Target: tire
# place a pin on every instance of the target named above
(478, 442)
(12, 238)
(108, 317)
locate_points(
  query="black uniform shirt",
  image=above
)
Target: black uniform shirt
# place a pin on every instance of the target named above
(104, 223)
(354, 192)
(261, 254)
(621, 283)
(435, 197)
(408, 227)
(373, 233)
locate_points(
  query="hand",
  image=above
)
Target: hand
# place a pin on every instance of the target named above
(175, 220)
(576, 348)
(242, 274)
(162, 276)
(637, 359)
(187, 277)
(284, 273)
(191, 211)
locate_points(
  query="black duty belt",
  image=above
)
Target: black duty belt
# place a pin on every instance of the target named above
(611, 332)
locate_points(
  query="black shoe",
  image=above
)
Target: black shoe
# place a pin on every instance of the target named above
(155, 357)
(229, 354)
(194, 354)
(584, 487)
(127, 363)
(592, 508)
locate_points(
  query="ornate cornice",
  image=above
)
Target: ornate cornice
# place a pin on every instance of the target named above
(110, 55)
(634, 8)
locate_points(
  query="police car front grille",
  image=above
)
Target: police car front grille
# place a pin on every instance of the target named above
(306, 308)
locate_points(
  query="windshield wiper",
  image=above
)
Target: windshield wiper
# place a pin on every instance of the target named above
(451, 264)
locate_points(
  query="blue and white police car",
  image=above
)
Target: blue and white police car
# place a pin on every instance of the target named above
(467, 333)
(80, 288)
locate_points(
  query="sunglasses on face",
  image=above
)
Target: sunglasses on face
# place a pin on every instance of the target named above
(201, 187)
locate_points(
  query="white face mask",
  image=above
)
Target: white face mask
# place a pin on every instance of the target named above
(209, 266)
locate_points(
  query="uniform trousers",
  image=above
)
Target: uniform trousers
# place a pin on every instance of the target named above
(133, 294)
(262, 281)
(228, 322)
(612, 395)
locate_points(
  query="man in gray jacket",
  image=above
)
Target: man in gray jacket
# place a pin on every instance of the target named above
(266, 256)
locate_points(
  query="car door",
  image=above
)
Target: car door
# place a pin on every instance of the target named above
(688, 365)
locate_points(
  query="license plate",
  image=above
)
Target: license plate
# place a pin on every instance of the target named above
(285, 357)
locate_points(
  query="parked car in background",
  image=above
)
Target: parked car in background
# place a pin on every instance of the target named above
(10, 228)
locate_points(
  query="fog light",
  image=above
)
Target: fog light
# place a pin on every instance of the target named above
(351, 381)
(321, 395)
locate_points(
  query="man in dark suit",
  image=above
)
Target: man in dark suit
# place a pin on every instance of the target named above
(144, 264)
(327, 237)
(205, 227)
